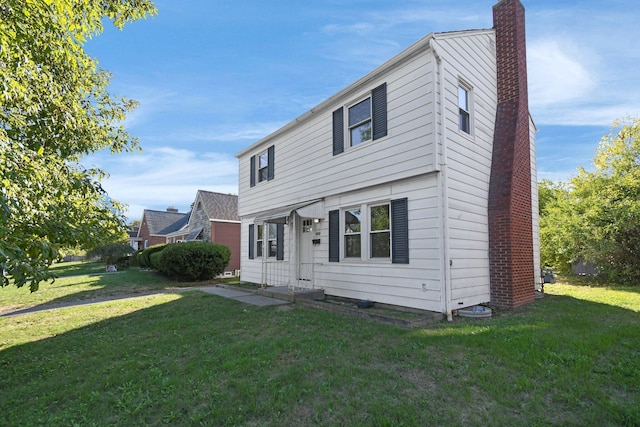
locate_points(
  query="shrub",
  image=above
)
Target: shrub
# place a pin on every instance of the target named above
(111, 253)
(194, 260)
(144, 257)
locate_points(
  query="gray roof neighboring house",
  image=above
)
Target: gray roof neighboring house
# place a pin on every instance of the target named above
(219, 206)
(164, 222)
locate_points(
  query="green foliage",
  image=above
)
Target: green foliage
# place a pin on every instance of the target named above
(557, 227)
(144, 256)
(596, 216)
(155, 261)
(194, 260)
(111, 252)
(56, 109)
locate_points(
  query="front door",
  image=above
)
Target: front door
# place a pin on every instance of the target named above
(305, 268)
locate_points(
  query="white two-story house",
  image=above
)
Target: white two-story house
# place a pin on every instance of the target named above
(414, 186)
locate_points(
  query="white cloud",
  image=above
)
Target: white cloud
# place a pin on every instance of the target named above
(165, 176)
(555, 75)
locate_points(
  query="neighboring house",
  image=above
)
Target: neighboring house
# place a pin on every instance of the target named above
(414, 186)
(135, 242)
(155, 226)
(213, 218)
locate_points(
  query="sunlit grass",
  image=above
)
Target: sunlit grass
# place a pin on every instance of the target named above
(197, 359)
(47, 324)
(83, 281)
(624, 297)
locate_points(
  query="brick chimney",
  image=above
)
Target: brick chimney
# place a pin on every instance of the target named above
(172, 209)
(510, 216)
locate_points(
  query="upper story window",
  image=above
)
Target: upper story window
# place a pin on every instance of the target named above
(463, 108)
(262, 166)
(360, 122)
(366, 120)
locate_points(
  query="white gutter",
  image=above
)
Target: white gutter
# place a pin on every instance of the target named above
(442, 178)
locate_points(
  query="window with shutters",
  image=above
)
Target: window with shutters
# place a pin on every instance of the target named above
(380, 231)
(370, 232)
(352, 233)
(262, 166)
(259, 240)
(272, 245)
(362, 120)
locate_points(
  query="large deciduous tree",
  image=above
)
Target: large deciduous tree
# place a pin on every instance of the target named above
(596, 218)
(55, 108)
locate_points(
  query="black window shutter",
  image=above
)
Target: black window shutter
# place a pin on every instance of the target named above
(338, 131)
(399, 231)
(379, 111)
(252, 242)
(334, 236)
(252, 173)
(280, 242)
(270, 166)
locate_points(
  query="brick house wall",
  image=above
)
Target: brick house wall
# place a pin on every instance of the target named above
(228, 234)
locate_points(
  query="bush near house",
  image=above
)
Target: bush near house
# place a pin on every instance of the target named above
(113, 253)
(193, 260)
(144, 257)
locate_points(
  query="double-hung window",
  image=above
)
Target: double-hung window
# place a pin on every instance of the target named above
(380, 231)
(272, 244)
(352, 233)
(360, 122)
(463, 108)
(259, 240)
(266, 237)
(262, 166)
(370, 231)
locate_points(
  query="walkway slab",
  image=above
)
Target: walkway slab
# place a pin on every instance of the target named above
(260, 301)
(242, 296)
(224, 292)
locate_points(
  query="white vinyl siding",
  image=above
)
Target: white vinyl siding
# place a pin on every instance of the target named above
(409, 162)
(472, 61)
(417, 284)
(309, 170)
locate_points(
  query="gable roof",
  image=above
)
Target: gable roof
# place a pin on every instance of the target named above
(164, 222)
(419, 47)
(218, 206)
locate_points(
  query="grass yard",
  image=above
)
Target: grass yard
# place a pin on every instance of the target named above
(85, 281)
(571, 358)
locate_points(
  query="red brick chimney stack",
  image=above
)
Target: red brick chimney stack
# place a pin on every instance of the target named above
(510, 216)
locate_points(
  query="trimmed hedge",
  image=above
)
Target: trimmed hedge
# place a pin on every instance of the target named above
(192, 261)
(144, 256)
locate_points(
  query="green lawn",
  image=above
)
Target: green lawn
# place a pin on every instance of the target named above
(571, 358)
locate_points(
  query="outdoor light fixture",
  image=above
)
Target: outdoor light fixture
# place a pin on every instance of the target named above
(316, 220)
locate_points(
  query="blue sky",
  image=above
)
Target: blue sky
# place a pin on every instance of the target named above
(213, 77)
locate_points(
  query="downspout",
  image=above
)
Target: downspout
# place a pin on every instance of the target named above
(264, 283)
(442, 178)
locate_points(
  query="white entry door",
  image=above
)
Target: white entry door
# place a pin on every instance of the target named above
(305, 268)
